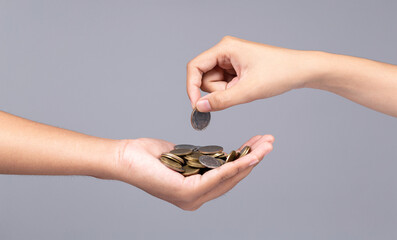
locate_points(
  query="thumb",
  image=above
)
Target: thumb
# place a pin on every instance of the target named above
(220, 100)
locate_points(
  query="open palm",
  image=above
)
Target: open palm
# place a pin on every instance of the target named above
(139, 166)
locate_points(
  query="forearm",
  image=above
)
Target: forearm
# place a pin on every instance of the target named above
(27, 147)
(369, 83)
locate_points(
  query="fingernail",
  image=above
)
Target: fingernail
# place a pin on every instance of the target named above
(203, 105)
(254, 162)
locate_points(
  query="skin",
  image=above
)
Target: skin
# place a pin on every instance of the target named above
(28, 147)
(236, 71)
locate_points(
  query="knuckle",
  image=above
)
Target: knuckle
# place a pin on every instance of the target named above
(226, 42)
(226, 38)
(224, 178)
(190, 64)
(188, 207)
(237, 171)
(256, 157)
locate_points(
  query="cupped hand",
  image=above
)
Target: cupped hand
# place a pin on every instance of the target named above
(138, 165)
(237, 71)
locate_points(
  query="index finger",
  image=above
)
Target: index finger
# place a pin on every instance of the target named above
(195, 70)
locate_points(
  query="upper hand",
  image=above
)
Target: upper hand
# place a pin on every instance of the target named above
(237, 71)
(138, 165)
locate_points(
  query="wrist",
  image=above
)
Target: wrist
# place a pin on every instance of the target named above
(104, 158)
(319, 66)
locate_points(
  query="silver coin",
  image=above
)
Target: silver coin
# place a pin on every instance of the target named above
(200, 120)
(209, 162)
(221, 161)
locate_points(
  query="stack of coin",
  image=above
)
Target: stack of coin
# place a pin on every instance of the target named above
(189, 159)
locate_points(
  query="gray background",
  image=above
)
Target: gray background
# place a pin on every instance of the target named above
(116, 69)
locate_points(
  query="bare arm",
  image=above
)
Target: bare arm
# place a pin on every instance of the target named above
(27, 147)
(237, 71)
(369, 83)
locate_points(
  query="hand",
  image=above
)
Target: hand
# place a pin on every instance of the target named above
(138, 165)
(236, 71)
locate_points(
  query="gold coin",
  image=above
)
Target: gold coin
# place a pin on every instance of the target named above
(175, 169)
(221, 161)
(217, 155)
(173, 157)
(245, 151)
(172, 165)
(231, 157)
(170, 162)
(211, 149)
(193, 157)
(195, 164)
(181, 151)
(224, 155)
(190, 171)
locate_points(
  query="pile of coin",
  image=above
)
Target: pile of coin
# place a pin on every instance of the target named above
(189, 159)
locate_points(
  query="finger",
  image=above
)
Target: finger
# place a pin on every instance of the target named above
(228, 184)
(270, 138)
(233, 81)
(219, 100)
(213, 80)
(213, 86)
(195, 70)
(218, 175)
(230, 71)
(253, 140)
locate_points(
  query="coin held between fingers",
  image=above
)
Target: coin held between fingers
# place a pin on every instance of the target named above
(200, 120)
